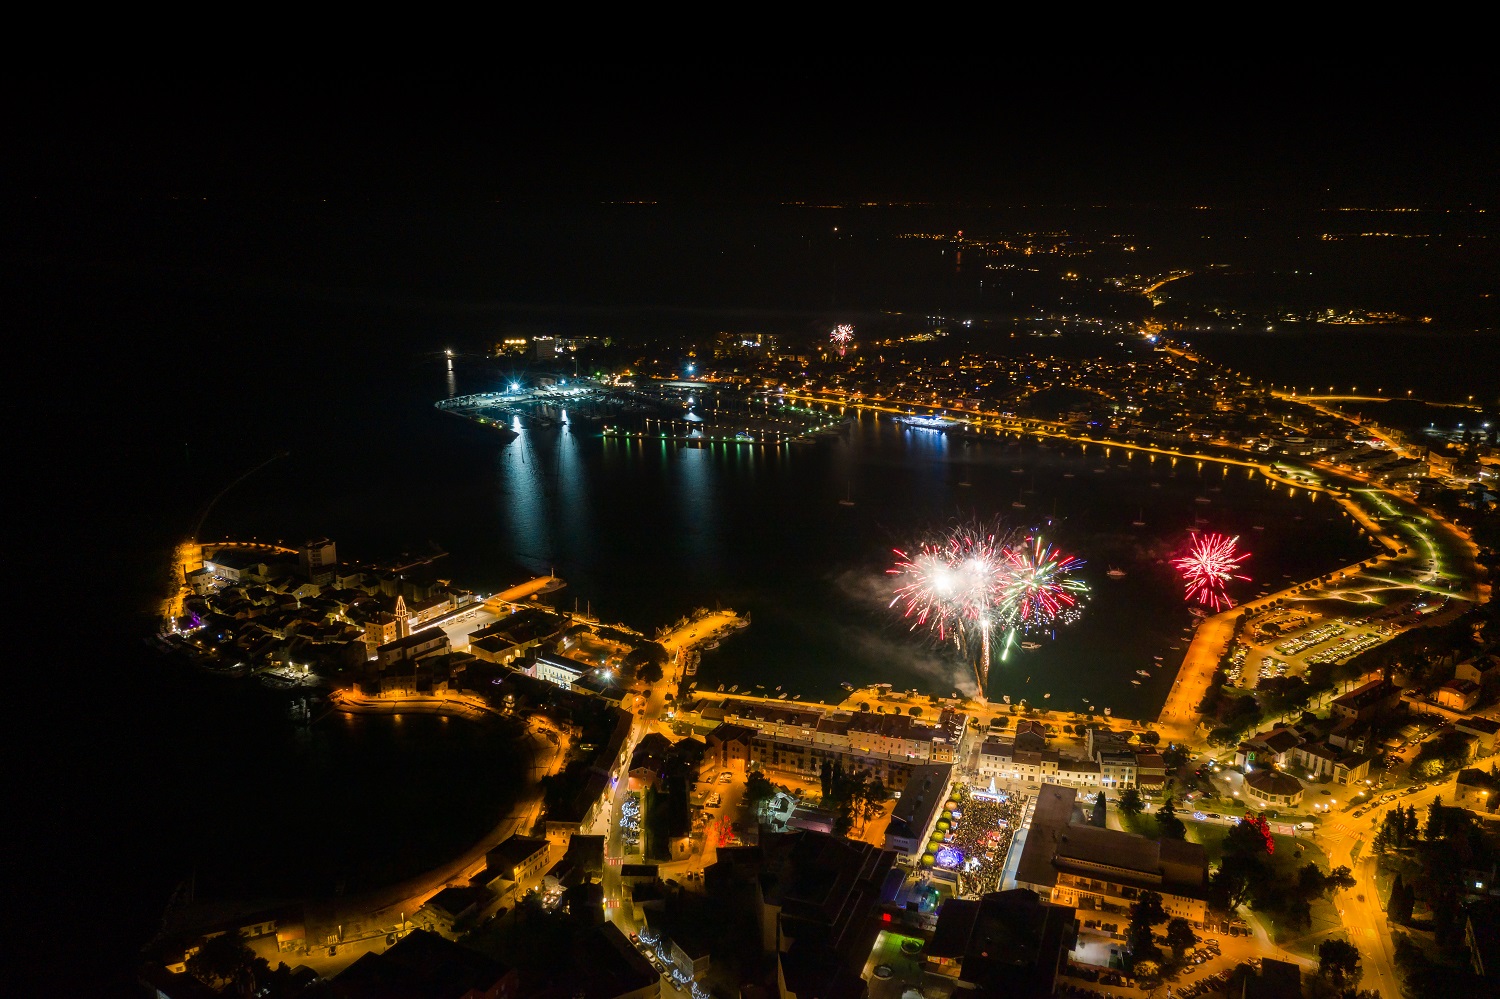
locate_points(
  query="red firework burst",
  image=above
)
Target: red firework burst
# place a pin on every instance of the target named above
(1208, 566)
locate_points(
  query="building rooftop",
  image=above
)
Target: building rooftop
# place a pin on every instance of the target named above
(1273, 782)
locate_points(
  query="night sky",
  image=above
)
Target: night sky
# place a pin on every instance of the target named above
(1275, 135)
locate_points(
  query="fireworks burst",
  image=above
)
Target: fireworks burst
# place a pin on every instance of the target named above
(1042, 590)
(977, 580)
(1208, 567)
(842, 334)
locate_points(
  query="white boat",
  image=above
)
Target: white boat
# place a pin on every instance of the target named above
(1030, 646)
(1136, 682)
(1141, 672)
(781, 697)
(1045, 696)
(734, 688)
(721, 689)
(693, 685)
(1114, 573)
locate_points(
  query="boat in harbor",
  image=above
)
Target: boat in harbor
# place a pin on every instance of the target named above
(847, 686)
(1115, 573)
(721, 689)
(1030, 647)
(1140, 518)
(711, 645)
(781, 697)
(734, 688)
(693, 685)
(1136, 682)
(1141, 672)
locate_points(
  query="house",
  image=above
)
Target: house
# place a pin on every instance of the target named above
(728, 747)
(423, 965)
(1478, 669)
(1367, 701)
(914, 814)
(1007, 943)
(1459, 695)
(1101, 872)
(1267, 749)
(1117, 769)
(1484, 731)
(1272, 789)
(1482, 934)
(815, 905)
(450, 908)
(411, 648)
(518, 858)
(1321, 759)
(1478, 790)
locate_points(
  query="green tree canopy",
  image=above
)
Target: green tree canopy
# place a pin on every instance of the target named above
(1180, 936)
(221, 959)
(1338, 963)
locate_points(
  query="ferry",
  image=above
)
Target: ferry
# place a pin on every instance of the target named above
(1114, 573)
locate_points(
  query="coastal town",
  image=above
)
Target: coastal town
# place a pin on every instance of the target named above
(1314, 806)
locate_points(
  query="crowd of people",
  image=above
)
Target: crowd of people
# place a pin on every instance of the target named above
(982, 827)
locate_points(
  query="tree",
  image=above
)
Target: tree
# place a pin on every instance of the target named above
(1167, 822)
(650, 672)
(1151, 737)
(758, 789)
(914, 711)
(221, 959)
(1145, 913)
(825, 779)
(1338, 963)
(1180, 936)
(1098, 817)
(1434, 829)
(1130, 802)
(1403, 899)
(1338, 879)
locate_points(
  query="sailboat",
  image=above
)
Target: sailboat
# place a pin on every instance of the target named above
(848, 499)
(1140, 518)
(1018, 504)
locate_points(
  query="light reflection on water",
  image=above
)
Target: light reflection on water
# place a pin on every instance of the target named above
(647, 530)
